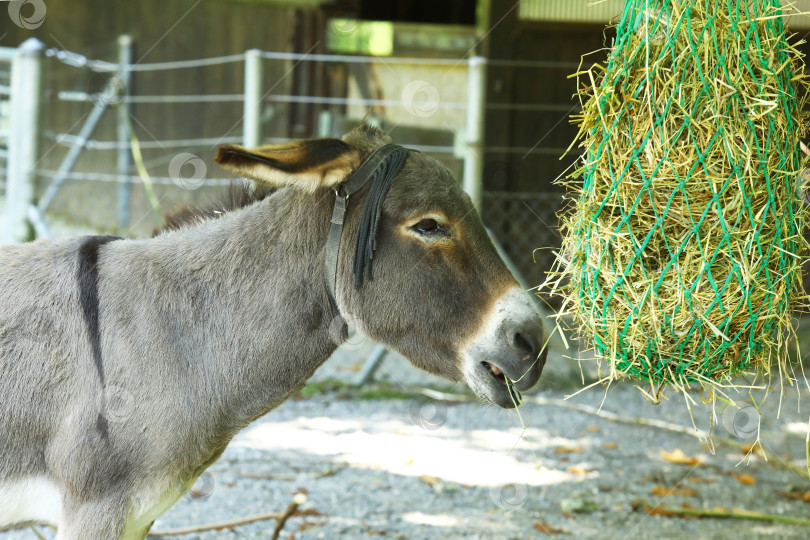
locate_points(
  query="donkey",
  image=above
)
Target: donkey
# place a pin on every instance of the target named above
(127, 365)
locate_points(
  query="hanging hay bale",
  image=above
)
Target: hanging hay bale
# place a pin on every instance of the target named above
(680, 254)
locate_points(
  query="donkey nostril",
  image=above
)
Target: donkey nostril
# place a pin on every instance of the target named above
(523, 344)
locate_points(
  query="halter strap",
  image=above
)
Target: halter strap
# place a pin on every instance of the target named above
(355, 182)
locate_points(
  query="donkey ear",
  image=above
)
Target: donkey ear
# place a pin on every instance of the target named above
(307, 164)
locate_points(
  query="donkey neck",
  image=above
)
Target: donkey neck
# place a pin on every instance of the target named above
(255, 301)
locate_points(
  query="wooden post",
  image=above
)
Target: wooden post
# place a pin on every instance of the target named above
(23, 140)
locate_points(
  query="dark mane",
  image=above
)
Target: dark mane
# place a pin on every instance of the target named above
(238, 195)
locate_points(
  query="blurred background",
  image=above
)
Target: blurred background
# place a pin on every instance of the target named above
(178, 77)
(171, 74)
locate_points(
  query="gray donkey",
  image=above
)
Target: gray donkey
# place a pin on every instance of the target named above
(126, 366)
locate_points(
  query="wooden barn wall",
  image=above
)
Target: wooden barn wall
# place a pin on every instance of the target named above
(547, 132)
(162, 30)
(536, 139)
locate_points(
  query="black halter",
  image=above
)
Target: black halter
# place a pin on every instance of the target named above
(381, 168)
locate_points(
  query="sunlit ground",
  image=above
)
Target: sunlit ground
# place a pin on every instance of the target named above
(473, 458)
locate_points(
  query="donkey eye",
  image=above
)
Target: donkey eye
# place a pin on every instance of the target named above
(427, 225)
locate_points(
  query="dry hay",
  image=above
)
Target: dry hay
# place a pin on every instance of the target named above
(679, 256)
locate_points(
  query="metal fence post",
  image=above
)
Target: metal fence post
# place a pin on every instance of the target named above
(124, 160)
(251, 122)
(474, 145)
(23, 140)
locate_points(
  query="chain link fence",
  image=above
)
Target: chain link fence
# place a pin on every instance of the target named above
(526, 224)
(3, 166)
(5, 111)
(82, 138)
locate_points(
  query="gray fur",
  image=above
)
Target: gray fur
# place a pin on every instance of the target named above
(208, 327)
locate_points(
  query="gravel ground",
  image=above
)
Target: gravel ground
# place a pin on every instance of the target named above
(413, 468)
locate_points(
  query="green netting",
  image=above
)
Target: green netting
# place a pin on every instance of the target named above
(680, 254)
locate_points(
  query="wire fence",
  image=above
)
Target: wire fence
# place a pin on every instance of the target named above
(526, 224)
(3, 165)
(5, 112)
(108, 147)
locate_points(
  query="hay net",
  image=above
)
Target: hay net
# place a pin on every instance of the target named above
(679, 257)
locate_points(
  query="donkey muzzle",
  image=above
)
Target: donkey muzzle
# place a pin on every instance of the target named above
(509, 353)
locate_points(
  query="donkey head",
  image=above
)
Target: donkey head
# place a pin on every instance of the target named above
(439, 294)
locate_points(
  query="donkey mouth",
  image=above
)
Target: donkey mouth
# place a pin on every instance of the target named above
(507, 384)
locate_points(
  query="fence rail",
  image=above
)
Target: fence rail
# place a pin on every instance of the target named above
(522, 221)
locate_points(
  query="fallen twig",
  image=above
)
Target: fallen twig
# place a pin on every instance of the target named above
(216, 526)
(299, 499)
(725, 514)
(280, 517)
(770, 457)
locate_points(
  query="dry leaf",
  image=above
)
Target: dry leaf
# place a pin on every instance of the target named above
(664, 492)
(799, 495)
(746, 479)
(592, 429)
(568, 450)
(579, 470)
(752, 448)
(546, 528)
(677, 456)
(699, 480)
(430, 480)
(609, 445)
